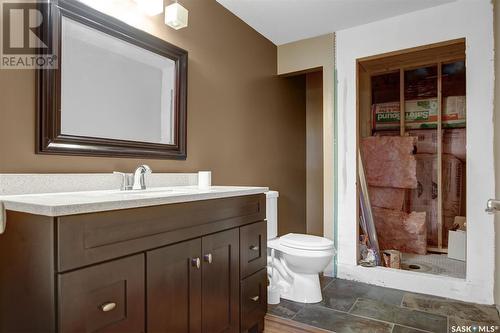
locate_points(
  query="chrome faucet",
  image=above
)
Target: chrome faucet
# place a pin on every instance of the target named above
(135, 181)
(139, 179)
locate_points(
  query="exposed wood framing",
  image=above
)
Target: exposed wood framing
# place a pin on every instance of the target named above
(402, 61)
(402, 102)
(440, 156)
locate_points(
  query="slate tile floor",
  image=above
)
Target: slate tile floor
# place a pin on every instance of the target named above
(353, 307)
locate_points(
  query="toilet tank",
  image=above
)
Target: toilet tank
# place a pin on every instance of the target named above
(272, 214)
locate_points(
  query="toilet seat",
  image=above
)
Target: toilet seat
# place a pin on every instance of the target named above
(277, 245)
(306, 242)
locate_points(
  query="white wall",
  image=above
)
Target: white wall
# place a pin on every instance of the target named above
(464, 18)
(304, 55)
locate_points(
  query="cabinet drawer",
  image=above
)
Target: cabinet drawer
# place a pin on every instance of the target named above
(90, 238)
(103, 298)
(253, 248)
(254, 302)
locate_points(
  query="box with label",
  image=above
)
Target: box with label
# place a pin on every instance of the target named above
(421, 113)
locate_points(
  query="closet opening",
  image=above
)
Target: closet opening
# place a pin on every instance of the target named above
(411, 143)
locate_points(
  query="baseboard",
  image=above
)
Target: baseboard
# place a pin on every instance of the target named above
(423, 283)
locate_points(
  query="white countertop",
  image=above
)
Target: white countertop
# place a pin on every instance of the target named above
(70, 203)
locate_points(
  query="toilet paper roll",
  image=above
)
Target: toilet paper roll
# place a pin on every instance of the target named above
(204, 180)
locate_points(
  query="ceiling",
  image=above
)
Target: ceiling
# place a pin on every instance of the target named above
(284, 21)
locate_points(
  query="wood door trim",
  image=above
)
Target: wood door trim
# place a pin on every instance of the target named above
(275, 324)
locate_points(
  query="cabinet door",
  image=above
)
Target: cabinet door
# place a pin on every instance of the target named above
(220, 310)
(174, 288)
(103, 298)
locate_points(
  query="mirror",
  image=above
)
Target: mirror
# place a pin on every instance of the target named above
(117, 91)
(131, 90)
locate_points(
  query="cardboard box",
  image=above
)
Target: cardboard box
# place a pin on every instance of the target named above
(392, 258)
(457, 245)
(421, 113)
(454, 141)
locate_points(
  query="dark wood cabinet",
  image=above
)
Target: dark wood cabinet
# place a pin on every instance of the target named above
(254, 302)
(194, 286)
(253, 248)
(220, 282)
(190, 267)
(174, 288)
(103, 298)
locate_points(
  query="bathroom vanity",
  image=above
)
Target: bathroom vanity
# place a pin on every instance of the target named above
(153, 262)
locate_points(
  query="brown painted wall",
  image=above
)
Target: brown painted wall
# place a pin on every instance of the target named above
(244, 123)
(314, 153)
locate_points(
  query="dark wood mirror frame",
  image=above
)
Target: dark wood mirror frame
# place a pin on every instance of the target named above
(48, 82)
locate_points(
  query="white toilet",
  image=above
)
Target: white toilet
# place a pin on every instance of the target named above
(298, 259)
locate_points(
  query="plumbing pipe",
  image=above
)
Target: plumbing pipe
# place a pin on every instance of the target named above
(281, 270)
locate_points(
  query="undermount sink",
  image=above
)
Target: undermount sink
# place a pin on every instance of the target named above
(147, 192)
(150, 192)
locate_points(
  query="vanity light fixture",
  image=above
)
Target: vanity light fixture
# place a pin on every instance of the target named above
(176, 16)
(150, 7)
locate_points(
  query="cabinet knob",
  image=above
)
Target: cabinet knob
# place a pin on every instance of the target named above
(196, 262)
(254, 248)
(208, 258)
(106, 307)
(255, 298)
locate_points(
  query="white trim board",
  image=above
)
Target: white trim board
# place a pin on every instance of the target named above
(472, 20)
(424, 283)
(304, 55)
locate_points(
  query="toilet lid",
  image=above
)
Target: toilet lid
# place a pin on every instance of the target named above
(306, 242)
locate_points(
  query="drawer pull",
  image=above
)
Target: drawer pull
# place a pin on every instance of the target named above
(196, 262)
(255, 298)
(108, 306)
(208, 258)
(254, 248)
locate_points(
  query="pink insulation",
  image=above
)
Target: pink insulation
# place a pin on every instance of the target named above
(397, 230)
(389, 161)
(387, 197)
(424, 197)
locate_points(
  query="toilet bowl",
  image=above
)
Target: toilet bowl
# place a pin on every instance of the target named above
(298, 259)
